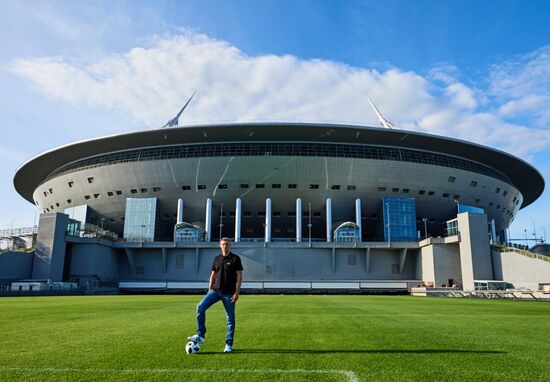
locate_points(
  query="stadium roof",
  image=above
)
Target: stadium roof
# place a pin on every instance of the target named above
(522, 175)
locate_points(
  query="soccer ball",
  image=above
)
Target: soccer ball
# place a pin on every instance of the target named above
(192, 347)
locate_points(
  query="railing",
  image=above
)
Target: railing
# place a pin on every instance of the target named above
(504, 248)
(14, 232)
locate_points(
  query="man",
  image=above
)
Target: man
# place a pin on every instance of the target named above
(224, 285)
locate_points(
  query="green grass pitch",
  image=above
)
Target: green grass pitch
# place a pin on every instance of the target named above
(278, 338)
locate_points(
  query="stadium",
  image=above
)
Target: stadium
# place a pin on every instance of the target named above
(309, 206)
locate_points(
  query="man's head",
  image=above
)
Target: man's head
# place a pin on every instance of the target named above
(225, 245)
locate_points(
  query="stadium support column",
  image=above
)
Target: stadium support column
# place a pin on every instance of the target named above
(329, 220)
(238, 220)
(267, 220)
(298, 220)
(494, 232)
(180, 211)
(208, 221)
(358, 218)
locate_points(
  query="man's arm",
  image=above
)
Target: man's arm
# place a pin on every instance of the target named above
(211, 282)
(238, 289)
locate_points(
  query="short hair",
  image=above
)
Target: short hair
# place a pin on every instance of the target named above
(225, 239)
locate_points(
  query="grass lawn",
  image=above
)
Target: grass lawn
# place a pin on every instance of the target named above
(278, 338)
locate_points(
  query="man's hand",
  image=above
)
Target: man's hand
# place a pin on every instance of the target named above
(234, 298)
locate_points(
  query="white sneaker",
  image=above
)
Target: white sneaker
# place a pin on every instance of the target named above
(196, 339)
(227, 349)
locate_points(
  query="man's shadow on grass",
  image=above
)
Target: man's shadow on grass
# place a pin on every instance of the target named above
(364, 351)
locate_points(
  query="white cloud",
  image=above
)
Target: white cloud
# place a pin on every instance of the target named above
(151, 83)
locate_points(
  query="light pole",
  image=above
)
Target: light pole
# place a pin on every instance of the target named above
(389, 228)
(221, 220)
(309, 222)
(544, 233)
(526, 244)
(534, 230)
(457, 206)
(142, 228)
(425, 220)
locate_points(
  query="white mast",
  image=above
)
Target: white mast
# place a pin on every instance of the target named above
(383, 121)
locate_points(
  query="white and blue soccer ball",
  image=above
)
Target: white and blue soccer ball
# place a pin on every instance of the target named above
(192, 347)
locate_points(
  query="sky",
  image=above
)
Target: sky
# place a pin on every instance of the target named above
(473, 70)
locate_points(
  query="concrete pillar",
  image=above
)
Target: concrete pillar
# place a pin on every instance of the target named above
(208, 221)
(180, 211)
(238, 220)
(298, 220)
(329, 220)
(358, 218)
(267, 220)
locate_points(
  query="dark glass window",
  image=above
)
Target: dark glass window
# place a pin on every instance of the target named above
(156, 189)
(275, 186)
(91, 179)
(473, 183)
(335, 187)
(381, 189)
(313, 186)
(185, 188)
(133, 191)
(244, 185)
(292, 186)
(445, 195)
(110, 193)
(222, 186)
(421, 192)
(351, 188)
(260, 185)
(201, 187)
(452, 179)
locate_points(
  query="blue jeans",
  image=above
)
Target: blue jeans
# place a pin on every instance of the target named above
(207, 301)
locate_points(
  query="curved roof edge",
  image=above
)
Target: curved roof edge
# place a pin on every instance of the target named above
(524, 176)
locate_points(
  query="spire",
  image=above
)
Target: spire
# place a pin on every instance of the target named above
(383, 121)
(174, 122)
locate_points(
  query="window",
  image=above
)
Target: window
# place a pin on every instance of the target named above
(275, 186)
(110, 193)
(316, 214)
(118, 192)
(381, 189)
(246, 214)
(291, 214)
(47, 210)
(51, 191)
(57, 204)
(497, 190)
(351, 188)
(70, 184)
(222, 186)
(143, 190)
(277, 214)
(261, 213)
(87, 197)
(244, 185)
(292, 186)
(431, 193)
(156, 189)
(452, 179)
(313, 186)
(406, 190)
(96, 196)
(231, 214)
(491, 204)
(505, 193)
(260, 186)
(45, 193)
(69, 201)
(91, 179)
(133, 191)
(335, 187)
(477, 200)
(186, 188)
(395, 189)
(473, 183)
(445, 195)
(498, 206)
(201, 187)
(456, 197)
(421, 192)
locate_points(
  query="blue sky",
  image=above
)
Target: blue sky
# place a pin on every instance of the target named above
(475, 70)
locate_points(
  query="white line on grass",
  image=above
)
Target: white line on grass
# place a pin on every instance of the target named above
(348, 374)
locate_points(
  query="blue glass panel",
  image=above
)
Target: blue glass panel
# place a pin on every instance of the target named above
(466, 208)
(399, 219)
(139, 219)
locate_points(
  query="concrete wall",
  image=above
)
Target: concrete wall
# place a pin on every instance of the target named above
(49, 259)
(475, 255)
(438, 263)
(16, 265)
(95, 259)
(522, 271)
(270, 264)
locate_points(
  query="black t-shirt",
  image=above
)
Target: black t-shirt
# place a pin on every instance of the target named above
(225, 276)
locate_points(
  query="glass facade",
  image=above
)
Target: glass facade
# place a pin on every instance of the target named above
(466, 208)
(139, 219)
(452, 228)
(399, 219)
(186, 232)
(346, 232)
(79, 213)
